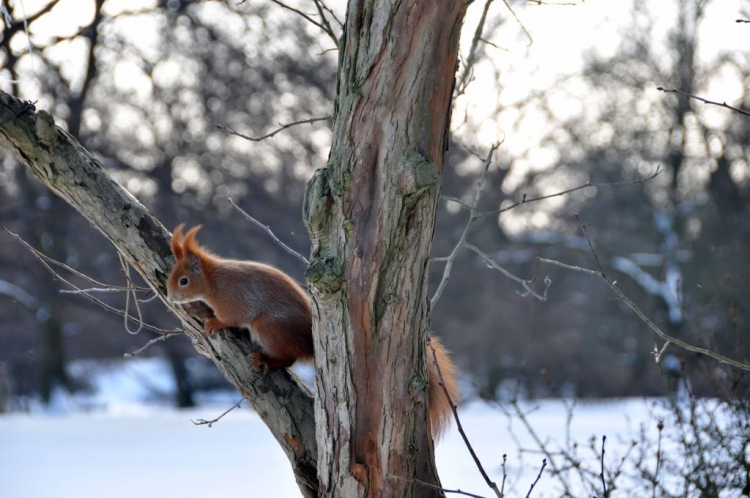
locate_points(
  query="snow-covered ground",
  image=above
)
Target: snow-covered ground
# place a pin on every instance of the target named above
(113, 445)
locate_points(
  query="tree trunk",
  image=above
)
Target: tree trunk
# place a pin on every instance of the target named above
(59, 161)
(371, 216)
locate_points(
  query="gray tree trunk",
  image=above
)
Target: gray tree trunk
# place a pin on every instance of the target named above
(371, 217)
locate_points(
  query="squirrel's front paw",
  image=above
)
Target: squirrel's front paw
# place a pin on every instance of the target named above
(213, 325)
(259, 361)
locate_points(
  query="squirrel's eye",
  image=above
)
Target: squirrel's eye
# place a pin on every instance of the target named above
(183, 281)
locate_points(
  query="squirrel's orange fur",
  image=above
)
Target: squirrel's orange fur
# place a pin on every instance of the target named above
(276, 311)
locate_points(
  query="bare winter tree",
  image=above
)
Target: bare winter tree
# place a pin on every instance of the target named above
(370, 214)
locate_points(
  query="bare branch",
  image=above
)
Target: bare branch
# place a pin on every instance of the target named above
(460, 427)
(742, 21)
(432, 486)
(505, 476)
(487, 42)
(325, 27)
(128, 296)
(333, 14)
(591, 246)
(44, 260)
(473, 217)
(269, 232)
(231, 130)
(705, 101)
(465, 79)
(518, 21)
(568, 267)
(150, 343)
(200, 421)
(544, 464)
(47, 259)
(524, 283)
(454, 254)
(456, 200)
(604, 484)
(100, 289)
(588, 184)
(658, 353)
(651, 325)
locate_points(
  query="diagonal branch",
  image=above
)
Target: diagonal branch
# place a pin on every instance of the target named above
(284, 404)
(705, 101)
(492, 485)
(645, 319)
(325, 26)
(44, 260)
(283, 127)
(268, 230)
(462, 242)
(588, 184)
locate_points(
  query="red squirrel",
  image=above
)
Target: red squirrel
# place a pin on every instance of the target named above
(276, 311)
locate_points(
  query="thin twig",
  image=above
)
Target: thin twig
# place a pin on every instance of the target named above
(126, 271)
(59, 264)
(518, 21)
(465, 78)
(604, 484)
(537, 439)
(309, 19)
(150, 343)
(645, 319)
(524, 283)
(432, 486)
(333, 14)
(705, 101)
(658, 353)
(742, 21)
(505, 476)
(283, 127)
(472, 217)
(45, 261)
(588, 184)
(591, 246)
(270, 232)
(456, 200)
(568, 267)
(327, 26)
(544, 464)
(460, 427)
(494, 45)
(102, 289)
(655, 482)
(200, 421)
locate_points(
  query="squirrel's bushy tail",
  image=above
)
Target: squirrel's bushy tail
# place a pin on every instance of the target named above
(439, 408)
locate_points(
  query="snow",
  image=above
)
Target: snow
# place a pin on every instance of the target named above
(114, 444)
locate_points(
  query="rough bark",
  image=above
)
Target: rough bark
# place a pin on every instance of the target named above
(63, 165)
(371, 216)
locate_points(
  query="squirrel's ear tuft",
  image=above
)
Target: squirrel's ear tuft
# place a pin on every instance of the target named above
(189, 244)
(176, 244)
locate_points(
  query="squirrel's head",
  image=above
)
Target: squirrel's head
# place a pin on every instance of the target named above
(187, 282)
